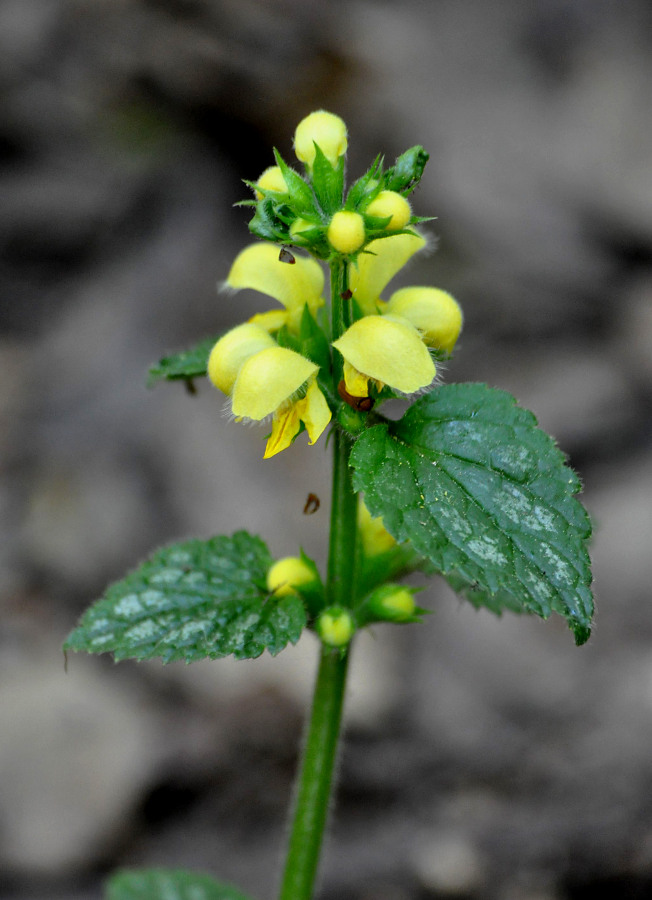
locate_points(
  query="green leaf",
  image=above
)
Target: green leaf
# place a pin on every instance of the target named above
(314, 343)
(406, 172)
(485, 496)
(302, 199)
(168, 884)
(191, 601)
(187, 364)
(266, 224)
(327, 182)
(365, 187)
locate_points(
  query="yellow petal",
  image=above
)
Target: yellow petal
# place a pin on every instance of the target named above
(355, 382)
(231, 352)
(434, 312)
(272, 320)
(268, 380)
(375, 537)
(258, 267)
(371, 274)
(388, 349)
(314, 412)
(285, 427)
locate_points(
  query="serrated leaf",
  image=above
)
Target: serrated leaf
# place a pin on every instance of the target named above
(486, 497)
(406, 172)
(187, 364)
(168, 884)
(191, 601)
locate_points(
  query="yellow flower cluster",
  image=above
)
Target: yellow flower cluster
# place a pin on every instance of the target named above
(389, 345)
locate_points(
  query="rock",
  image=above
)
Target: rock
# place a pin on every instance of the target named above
(76, 751)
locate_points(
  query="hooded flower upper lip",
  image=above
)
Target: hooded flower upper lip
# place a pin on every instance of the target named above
(279, 381)
(387, 350)
(294, 286)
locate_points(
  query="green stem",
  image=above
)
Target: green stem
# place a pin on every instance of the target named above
(315, 776)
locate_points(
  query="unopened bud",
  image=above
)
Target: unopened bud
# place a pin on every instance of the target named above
(287, 574)
(271, 180)
(389, 203)
(326, 130)
(335, 627)
(346, 232)
(392, 603)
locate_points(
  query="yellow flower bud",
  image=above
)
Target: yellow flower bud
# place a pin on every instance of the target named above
(298, 226)
(385, 349)
(335, 627)
(389, 203)
(231, 352)
(397, 604)
(287, 574)
(271, 180)
(326, 130)
(346, 232)
(433, 312)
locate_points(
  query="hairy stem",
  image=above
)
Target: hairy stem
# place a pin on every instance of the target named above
(315, 778)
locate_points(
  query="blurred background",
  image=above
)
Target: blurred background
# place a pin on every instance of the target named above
(485, 758)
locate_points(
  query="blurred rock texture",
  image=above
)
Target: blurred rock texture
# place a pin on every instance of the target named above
(486, 759)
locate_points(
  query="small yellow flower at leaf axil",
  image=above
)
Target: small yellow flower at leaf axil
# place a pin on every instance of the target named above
(258, 268)
(288, 573)
(326, 130)
(387, 350)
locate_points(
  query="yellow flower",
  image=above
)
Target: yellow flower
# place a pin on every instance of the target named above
(231, 352)
(387, 350)
(376, 267)
(279, 382)
(433, 312)
(258, 267)
(436, 314)
(271, 180)
(346, 232)
(389, 203)
(326, 130)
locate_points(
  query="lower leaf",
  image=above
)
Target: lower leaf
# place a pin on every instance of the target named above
(168, 884)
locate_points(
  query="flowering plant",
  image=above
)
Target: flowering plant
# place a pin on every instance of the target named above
(464, 484)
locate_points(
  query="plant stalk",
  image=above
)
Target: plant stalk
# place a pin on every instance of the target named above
(315, 778)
